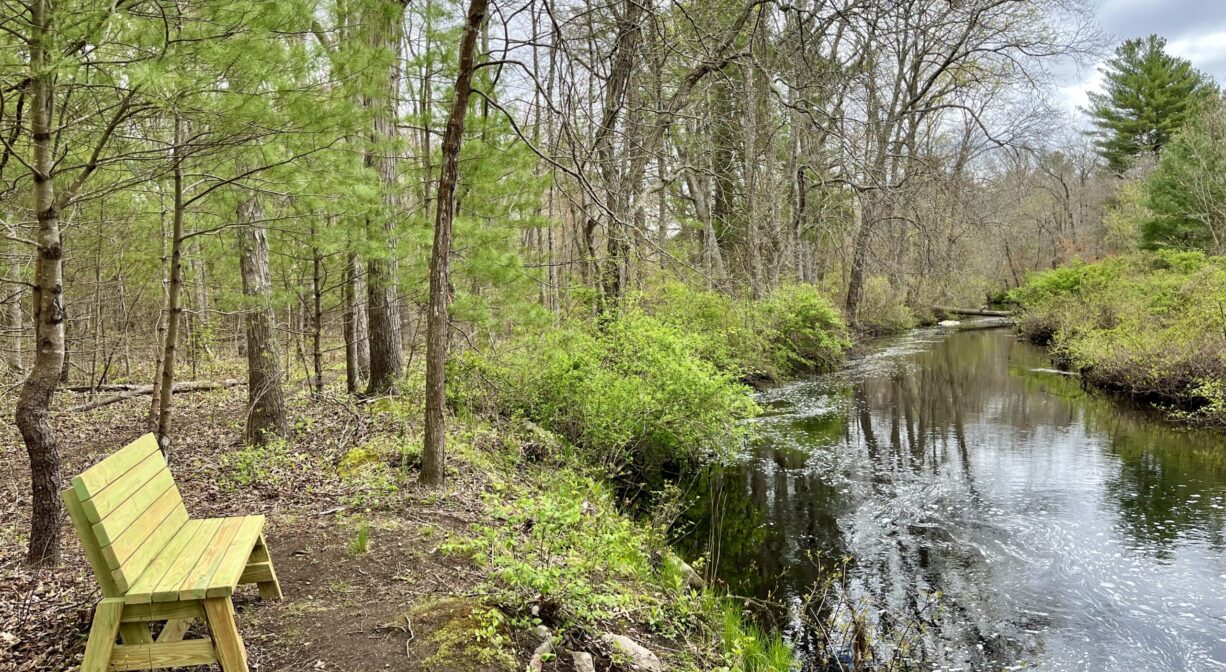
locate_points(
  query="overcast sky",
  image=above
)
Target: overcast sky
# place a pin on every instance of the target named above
(1194, 29)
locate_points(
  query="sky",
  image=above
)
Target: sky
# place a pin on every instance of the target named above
(1194, 29)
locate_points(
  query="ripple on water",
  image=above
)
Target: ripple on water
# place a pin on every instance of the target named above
(1061, 531)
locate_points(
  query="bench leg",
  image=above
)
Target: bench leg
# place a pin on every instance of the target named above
(135, 633)
(260, 567)
(228, 644)
(102, 635)
(174, 630)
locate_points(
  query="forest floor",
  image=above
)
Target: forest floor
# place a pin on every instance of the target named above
(367, 586)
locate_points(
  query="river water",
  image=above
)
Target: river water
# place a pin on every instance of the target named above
(950, 501)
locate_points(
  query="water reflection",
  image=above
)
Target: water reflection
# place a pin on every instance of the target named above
(1060, 529)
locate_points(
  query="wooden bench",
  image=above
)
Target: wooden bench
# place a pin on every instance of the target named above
(155, 564)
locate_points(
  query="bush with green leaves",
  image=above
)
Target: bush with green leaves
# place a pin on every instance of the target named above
(632, 388)
(793, 331)
(805, 330)
(1152, 325)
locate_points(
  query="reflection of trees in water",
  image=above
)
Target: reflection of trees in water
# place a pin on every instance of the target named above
(903, 435)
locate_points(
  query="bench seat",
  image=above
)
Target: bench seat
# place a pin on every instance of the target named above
(205, 558)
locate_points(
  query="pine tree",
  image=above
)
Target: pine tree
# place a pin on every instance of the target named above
(1149, 96)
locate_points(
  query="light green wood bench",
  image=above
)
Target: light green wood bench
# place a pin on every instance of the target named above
(155, 564)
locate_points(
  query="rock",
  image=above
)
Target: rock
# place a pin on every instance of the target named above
(543, 649)
(639, 656)
(583, 661)
(691, 578)
(948, 323)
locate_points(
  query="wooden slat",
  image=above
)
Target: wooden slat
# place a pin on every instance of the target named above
(121, 518)
(197, 582)
(97, 477)
(151, 549)
(271, 589)
(151, 526)
(141, 589)
(174, 630)
(231, 653)
(161, 612)
(230, 569)
(167, 589)
(93, 553)
(155, 656)
(102, 503)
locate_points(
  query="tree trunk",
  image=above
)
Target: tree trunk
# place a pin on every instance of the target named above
(33, 411)
(357, 351)
(317, 317)
(151, 419)
(433, 455)
(266, 419)
(859, 263)
(12, 322)
(174, 309)
(383, 31)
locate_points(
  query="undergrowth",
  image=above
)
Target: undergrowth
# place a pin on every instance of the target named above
(665, 379)
(1151, 325)
(556, 551)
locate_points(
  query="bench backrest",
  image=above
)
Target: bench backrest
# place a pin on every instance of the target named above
(125, 508)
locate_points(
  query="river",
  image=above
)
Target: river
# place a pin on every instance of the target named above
(956, 504)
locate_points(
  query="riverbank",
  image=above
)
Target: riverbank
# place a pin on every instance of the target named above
(528, 534)
(1151, 326)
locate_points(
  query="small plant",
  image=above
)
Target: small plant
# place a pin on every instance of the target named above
(358, 545)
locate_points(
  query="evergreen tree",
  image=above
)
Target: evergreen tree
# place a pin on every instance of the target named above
(1149, 96)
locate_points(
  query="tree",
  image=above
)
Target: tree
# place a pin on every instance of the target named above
(266, 402)
(433, 454)
(382, 23)
(1149, 95)
(1187, 191)
(56, 54)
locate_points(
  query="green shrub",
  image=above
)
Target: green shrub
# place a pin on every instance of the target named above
(635, 388)
(883, 309)
(793, 331)
(805, 331)
(563, 548)
(273, 464)
(1151, 325)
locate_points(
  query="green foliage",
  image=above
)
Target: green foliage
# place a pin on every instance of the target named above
(361, 540)
(634, 388)
(1187, 191)
(563, 546)
(1149, 96)
(805, 331)
(274, 464)
(1151, 325)
(748, 648)
(795, 330)
(883, 309)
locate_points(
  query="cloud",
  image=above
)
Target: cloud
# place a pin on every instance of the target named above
(1207, 52)
(1194, 29)
(1173, 19)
